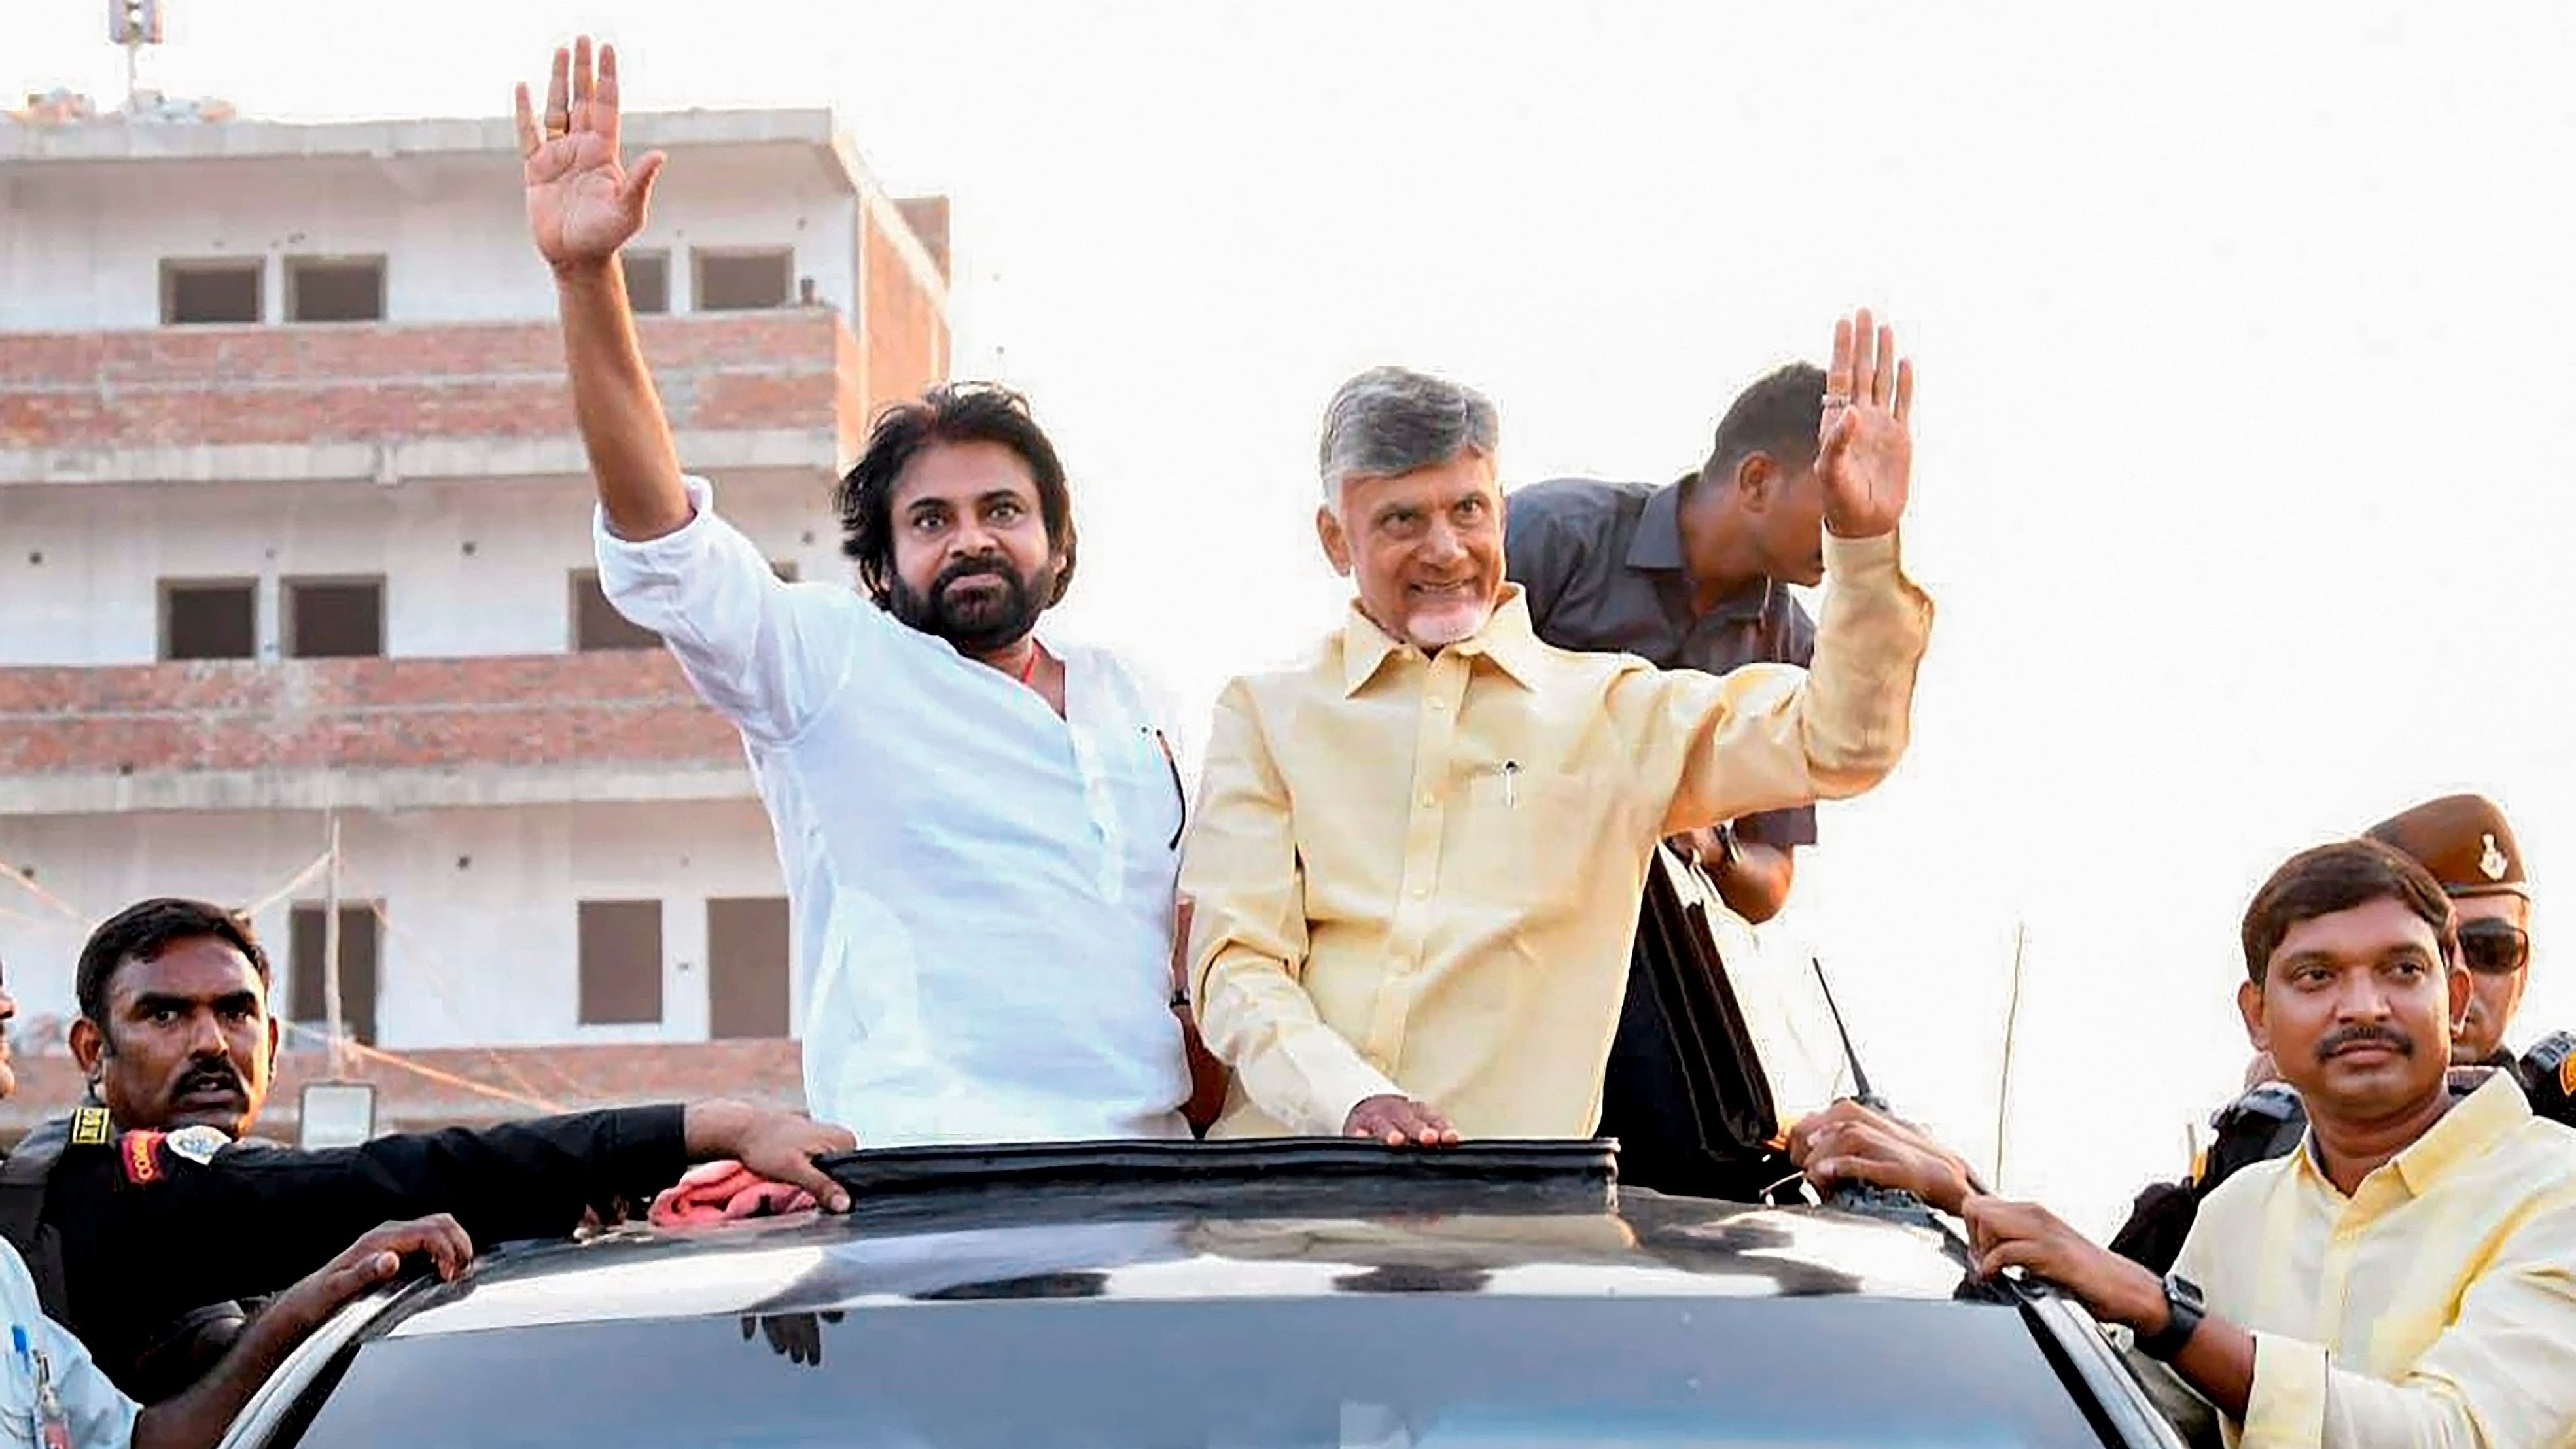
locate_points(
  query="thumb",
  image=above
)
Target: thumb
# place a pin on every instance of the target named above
(637, 194)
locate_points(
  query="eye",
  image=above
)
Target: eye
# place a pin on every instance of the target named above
(1008, 511)
(1473, 507)
(929, 520)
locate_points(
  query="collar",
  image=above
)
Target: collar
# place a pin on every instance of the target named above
(1657, 543)
(2475, 1124)
(1656, 547)
(1507, 639)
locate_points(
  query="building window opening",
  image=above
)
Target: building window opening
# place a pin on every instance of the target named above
(209, 620)
(335, 618)
(361, 957)
(210, 293)
(648, 281)
(621, 963)
(744, 281)
(320, 289)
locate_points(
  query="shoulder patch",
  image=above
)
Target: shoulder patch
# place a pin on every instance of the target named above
(142, 1154)
(2567, 1075)
(90, 1127)
(198, 1144)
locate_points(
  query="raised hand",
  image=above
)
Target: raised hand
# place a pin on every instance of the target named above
(582, 203)
(1865, 450)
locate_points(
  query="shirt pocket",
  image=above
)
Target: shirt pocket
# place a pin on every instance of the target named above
(1529, 838)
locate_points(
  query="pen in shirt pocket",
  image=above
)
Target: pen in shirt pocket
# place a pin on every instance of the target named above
(1511, 784)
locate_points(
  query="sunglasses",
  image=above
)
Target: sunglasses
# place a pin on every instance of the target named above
(2494, 948)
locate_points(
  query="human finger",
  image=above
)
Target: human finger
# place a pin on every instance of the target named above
(605, 116)
(526, 114)
(1883, 372)
(1904, 389)
(559, 95)
(798, 1170)
(582, 76)
(1838, 375)
(1864, 373)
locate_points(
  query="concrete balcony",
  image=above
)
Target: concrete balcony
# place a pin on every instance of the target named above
(311, 734)
(390, 402)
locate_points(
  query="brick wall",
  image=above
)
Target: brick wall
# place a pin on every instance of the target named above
(907, 334)
(184, 387)
(621, 707)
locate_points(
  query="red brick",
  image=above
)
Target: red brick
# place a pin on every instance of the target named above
(622, 707)
(179, 387)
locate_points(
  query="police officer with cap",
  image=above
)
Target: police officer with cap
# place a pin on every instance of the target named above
(2467, 845)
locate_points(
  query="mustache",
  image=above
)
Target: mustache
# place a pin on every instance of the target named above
(208, 1074)
(972, 568)
(2352, 1036)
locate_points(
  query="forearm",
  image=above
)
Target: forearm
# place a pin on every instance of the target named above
(199, 1415)
(623, 428)
(1856, 712)
(1259, 1021)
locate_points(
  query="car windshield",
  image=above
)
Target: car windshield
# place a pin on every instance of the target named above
(1354, 1371)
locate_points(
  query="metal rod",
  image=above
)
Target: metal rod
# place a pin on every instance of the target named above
(1860, 1079)
(2012, 1024)
(331, 958)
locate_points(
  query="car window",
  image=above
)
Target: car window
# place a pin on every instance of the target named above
(1357, 1371)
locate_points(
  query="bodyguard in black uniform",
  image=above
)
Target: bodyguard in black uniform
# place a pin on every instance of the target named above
(2468, 846)
(152, 1232)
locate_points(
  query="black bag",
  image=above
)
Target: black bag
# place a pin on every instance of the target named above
(1685, 1092)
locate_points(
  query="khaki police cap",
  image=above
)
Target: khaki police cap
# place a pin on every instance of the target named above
(2463, 840)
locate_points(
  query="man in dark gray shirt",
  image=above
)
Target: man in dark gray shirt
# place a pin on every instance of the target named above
(1688, 575)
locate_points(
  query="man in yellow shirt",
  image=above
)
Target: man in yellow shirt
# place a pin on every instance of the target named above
(2408, 1277)
(1419, 855)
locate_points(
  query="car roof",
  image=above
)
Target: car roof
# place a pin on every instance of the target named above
(1180, 1221)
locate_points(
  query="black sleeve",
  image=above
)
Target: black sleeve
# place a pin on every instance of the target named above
(149, 1234)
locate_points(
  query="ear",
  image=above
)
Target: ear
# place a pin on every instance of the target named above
(276, 1033)
(1756, 478)
(89, 1046)
(2249, 1004)
(1337, 544)
(2462, 989)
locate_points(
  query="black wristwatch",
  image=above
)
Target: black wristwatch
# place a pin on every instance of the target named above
(2182, 1319)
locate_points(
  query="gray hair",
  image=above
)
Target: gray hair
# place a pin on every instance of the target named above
(1390, 420)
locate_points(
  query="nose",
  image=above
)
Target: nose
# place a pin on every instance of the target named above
(206, 1037)
(2363, 998)
(971, 539)
(1441, 545)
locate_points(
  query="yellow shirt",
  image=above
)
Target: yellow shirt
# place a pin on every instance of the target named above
(2435, 1306)
(1421, 874)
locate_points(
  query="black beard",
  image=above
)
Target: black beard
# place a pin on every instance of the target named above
(973, 629)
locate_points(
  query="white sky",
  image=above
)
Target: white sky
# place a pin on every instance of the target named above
(2244, 352)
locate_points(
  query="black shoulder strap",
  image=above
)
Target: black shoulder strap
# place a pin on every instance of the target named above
(23, 1179)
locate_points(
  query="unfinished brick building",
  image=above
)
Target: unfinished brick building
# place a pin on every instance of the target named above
(294, 530)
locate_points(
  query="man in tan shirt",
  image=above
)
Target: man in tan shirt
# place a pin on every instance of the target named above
(1419, 855)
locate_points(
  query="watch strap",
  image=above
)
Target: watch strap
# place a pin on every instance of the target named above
(2183, 1313)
